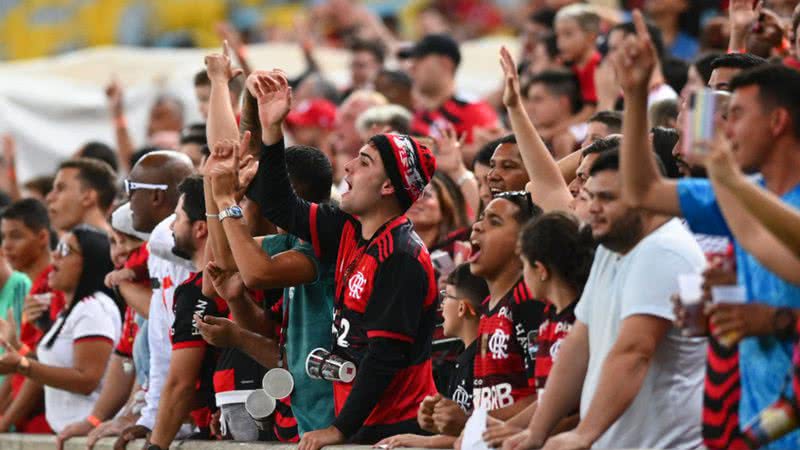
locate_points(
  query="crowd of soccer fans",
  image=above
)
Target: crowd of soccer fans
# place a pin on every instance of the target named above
(374, 263)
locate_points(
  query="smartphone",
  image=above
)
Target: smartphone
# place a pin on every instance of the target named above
(704, 109)
(442, 262)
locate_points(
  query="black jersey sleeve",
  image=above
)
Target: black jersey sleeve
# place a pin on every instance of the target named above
(271, 189)
(384, 359)
(189, 300)
(395, 308)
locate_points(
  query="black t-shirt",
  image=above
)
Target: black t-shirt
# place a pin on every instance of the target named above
(459, 389)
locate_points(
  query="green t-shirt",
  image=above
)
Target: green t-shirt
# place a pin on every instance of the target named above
(12, 296)
(309, 326)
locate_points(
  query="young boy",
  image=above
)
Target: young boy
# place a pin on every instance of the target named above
(576, 33)
(460, 303)
(510, 318)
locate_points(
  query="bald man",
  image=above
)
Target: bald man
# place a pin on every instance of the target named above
(152, 188)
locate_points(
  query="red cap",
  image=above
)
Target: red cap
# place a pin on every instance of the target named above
(317, 112)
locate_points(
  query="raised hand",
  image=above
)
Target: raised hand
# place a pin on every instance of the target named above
(449, 159)
(741, 16)
(635, 59)
(229, 285)
(218, 66)
(114, 97)
(511, 89)
(274, 102)
(223, 169)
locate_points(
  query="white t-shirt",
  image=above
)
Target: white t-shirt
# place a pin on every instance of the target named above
(666, 412)
(170, 271)
(94, 317)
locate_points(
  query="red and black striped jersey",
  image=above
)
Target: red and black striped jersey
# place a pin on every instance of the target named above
(505, 362)
(385, 303)
(388, 292)
(463, 115)
(552, 332)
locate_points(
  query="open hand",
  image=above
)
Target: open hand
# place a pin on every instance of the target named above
(523, 440)
(635, 59)
(403, 440)
(449, 159)
(511, 89)
(274, 98)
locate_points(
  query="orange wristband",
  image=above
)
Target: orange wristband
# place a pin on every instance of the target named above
(94, 421)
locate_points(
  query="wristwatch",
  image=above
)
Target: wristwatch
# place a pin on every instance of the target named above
(784, 322)
(24, 365)
(234, 212)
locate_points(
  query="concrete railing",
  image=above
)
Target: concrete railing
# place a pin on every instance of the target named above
(12, 441)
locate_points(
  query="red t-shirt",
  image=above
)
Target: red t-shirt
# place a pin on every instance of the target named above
(585, 76)
(463, 115)
(551, 333)
(504, 362)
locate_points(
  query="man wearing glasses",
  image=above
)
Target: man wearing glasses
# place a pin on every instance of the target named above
(152, 188)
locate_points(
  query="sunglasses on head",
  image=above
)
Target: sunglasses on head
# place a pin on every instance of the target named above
(131, 186)
(520, 198)
(63, 249)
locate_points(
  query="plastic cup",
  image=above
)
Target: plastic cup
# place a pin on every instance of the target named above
(260, 406)
(278, 383)
(690, 291)
(731, 294)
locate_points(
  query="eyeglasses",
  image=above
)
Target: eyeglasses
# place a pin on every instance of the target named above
(443, 296)
(63, 249)
(131, 186)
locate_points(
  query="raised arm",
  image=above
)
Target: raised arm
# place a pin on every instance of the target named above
(221, 127)
(643, 185)
(114, 95)
(272, 190)
(547, 187)
(748, 208)
(780, 219)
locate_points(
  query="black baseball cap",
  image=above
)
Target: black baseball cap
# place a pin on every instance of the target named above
(433, 44)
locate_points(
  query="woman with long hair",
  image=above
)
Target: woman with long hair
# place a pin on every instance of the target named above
(73, 355)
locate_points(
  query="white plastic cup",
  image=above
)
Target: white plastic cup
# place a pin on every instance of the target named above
(260, 406)
(732, 293)
(324, 365)
(278, 383)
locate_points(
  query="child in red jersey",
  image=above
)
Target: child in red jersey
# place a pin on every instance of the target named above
(556, 255)
(510, 317)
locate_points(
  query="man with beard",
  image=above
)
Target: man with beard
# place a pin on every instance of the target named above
(192, 363)
(640, 369)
